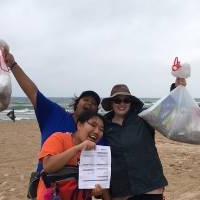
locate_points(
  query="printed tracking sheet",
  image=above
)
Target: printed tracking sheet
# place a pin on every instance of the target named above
(95, 168)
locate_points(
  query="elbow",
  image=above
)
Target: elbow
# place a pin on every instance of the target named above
(48, 165)
(46, 168)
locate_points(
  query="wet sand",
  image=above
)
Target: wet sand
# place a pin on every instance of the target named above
(20, 144)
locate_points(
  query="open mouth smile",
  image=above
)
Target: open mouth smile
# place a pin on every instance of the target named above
(93, 137)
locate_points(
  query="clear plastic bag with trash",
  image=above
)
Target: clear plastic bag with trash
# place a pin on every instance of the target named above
(177, 115)
(5, 79)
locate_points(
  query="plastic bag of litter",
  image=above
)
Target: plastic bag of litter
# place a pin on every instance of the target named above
(176, 116)
(5, 80)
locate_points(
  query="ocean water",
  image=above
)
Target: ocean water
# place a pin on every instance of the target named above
(24, 109)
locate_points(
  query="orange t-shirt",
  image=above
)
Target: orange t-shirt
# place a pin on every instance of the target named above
(55, 144)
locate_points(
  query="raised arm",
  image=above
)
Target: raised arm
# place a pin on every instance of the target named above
(27, 85)
(56, 162)
(178, 81)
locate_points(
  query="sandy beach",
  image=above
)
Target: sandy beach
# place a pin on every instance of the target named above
(20, 144)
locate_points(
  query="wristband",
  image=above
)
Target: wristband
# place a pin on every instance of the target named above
(13, 65)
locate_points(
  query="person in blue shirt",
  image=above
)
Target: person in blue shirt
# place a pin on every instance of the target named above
(50, 116)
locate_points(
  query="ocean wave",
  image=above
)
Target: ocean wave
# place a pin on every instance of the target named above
(24, 118)
(24, 109)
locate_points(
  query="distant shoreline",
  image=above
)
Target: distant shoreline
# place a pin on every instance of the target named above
(24, 109)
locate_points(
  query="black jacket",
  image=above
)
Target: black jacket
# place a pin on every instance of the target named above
(136, 167)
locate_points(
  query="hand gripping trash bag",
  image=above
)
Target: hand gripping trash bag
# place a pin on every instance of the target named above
(176, 116)
(5, 83)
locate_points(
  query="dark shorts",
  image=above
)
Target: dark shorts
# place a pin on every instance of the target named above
(148, 197)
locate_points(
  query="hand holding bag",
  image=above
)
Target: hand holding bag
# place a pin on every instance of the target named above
(5, 81)
(176, 116)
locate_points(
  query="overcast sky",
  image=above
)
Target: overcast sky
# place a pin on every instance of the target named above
(70, 46)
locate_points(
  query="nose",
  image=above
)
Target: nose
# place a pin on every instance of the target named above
(97, 130)
(89, 103)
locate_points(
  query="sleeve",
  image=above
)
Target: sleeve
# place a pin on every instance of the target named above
(44, 109)
(172, 87)
(52, 146)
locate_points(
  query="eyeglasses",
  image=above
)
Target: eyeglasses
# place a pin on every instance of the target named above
(120, 100)
(94, 125)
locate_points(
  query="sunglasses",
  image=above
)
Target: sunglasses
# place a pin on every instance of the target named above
(94, 125)
(122, 100)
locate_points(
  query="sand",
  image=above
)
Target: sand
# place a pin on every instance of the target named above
(20, 143)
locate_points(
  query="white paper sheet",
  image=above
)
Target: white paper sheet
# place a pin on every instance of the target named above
(95, 168)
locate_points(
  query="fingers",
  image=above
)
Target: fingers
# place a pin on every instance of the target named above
(180, 81)
(97, 191)
(98, 188)
(87, 145)
(9, 59)
(5, 51)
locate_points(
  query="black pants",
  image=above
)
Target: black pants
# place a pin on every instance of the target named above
(148, 197)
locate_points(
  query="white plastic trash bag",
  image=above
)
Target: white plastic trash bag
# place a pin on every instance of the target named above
(5, 80)
(176, 116)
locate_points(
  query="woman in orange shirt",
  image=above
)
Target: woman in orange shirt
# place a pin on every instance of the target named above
(64, 149)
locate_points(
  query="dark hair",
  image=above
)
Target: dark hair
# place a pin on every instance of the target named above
(85, 116)
(75, 101)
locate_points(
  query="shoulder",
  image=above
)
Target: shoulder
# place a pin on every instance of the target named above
(61, 135)
(59, 139)
(43, 101)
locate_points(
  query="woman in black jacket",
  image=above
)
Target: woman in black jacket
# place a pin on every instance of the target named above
(136, 172)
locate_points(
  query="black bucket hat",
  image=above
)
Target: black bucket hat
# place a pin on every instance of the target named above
(119, 89)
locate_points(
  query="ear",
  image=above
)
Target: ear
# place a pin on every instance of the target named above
(79, 125)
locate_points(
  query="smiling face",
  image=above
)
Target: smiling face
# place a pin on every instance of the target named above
(121, 104)
(87, 103)
(92, 129)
